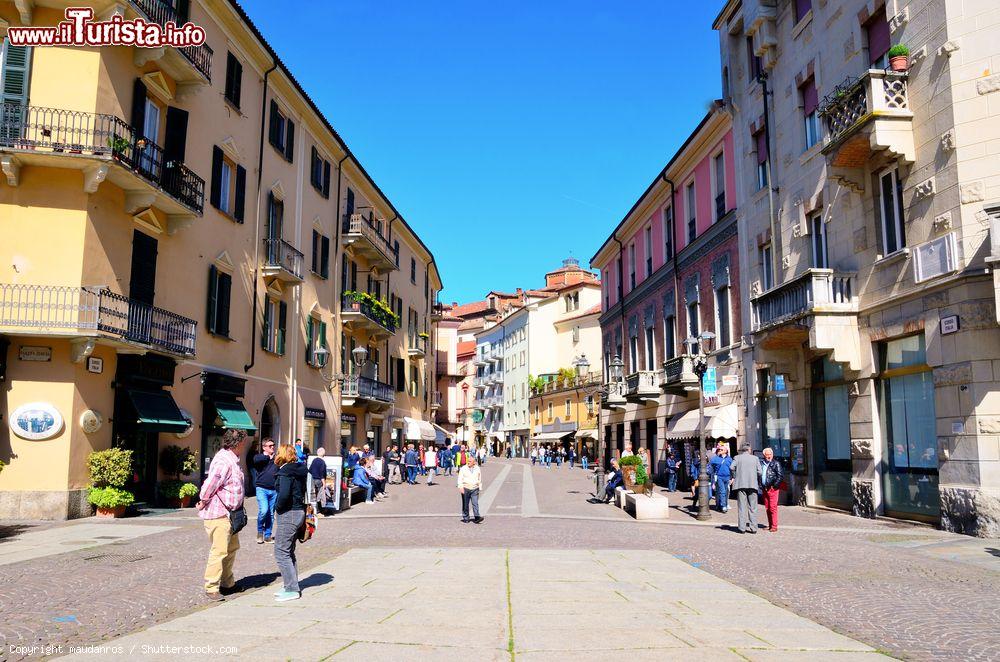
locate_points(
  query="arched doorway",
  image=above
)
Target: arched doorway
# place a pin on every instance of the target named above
(270, 426)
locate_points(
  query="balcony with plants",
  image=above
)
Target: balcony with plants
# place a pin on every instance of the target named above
(361, 311)
(104, 147)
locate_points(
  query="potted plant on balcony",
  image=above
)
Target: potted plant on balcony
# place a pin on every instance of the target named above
(177, 461)
(110, 471)
(634, 476)
(899, 57)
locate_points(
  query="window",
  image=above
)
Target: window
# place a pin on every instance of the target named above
(633, 353)
(220, 285)
(773, 404)
(568, 410)
(316, 339)
(831, 422)
(722, 318)
(692, 212)
(395, 250)
(819, 247)
(281, 133)
(668, 233)
(877, 33)
(631, 266)
(576, 334)
(802, 7)
(320, 255)
(810, 114)
(272, 338)
(649, 251)
(760, 138)
(319, 173)
(414, 382)
(650, 349)
(753, 62)
(413, 270)
(719, 172)
(694, 324)
(229, 185)
(550, 411)
(766, 265)
(234, 80)
(891, 204)
(669, 337)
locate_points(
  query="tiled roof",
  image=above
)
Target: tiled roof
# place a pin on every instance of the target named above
(467, 347)
(470, 308)
(594, 310)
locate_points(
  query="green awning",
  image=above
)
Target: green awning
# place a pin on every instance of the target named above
(156, 411)
(234, 416)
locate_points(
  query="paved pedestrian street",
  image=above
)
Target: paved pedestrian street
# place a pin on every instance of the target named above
(546, 576)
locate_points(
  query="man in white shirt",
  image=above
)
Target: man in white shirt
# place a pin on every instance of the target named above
(430, 463)
(470, 479)
(627, 450)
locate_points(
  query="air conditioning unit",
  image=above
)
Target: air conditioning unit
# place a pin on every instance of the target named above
(935, 258)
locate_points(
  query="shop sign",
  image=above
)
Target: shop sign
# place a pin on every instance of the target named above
(29, 353)
(710, 387)
(313, 412)
(949, 324)
(348, 418)
(779, 382)
(730, 380)
(36, 421)
(95, 365)
(477, 416)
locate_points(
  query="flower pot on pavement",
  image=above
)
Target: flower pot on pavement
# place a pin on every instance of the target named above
(110, 513)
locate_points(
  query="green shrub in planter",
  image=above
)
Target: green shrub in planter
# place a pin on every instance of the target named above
(177, 489)
(177, 461)
(899, 50)
(109, 497)
(641, 477)
(110, 468)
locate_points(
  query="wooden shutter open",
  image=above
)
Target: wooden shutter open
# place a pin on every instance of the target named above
(138, 116)
(225, 291)
(213, 298)
(215, 193)
(326, 179)
(324, 260)
(239, 201)
(282, 319)
(289, 140)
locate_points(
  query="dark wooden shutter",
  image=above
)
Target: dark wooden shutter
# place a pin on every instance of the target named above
(142, 284)
(315, 253)
(400, 374)
(266, 333)
(289, 140)
(239, 202)
(215, 195)
(324, 260)
(282, 318)
(213, 298)
(274, 126)
(314, 171)
(350, 202)
(183, 9)
(15, 72)
(175, 145)
(310, 330)
(138, 107)
(225, 291)
(322, 343)
(234, 79)
(326, 179)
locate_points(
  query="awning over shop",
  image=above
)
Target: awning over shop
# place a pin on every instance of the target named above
(586, 434)
(551, 436)
(418, 430)
(720, 423)
(234, 416)
(156, 411)
(441, 435)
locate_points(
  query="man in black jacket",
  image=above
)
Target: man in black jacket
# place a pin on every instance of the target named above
(317, 479)
(770, 483)
(264, 473)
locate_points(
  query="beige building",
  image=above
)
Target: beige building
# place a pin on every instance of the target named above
(865, 197)
(187, 243)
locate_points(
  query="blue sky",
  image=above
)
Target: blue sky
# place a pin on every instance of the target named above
(509, 135)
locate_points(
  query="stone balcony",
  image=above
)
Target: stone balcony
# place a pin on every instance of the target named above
(361, 237)
(679, 377)
(868, 114)
(615, 398)
(283, 261)
(643, 387)
(820, 305)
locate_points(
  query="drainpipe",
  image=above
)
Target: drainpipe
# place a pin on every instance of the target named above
(775, 244)
(673, 245)
(388, 281)
(256, 230)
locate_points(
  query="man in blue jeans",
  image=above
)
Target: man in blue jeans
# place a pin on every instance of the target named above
(671, 473)
(720, 468)
(411, 459)
(264, 475)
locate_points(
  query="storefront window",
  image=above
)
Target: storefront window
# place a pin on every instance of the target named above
(906, 405)
(831, 434)
(773, 403)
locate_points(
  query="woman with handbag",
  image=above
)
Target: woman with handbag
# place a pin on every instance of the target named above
(290, 509)
(220, 507)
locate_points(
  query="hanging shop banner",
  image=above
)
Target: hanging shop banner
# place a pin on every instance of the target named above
(711, 387)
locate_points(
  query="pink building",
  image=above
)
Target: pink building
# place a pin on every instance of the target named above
(670, 271)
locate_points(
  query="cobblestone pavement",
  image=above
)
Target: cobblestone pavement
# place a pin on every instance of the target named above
(907, 590)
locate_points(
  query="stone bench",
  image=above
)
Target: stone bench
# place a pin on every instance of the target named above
(620, 494)
(643, 506)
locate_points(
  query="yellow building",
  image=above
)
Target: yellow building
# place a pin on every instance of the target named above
(187, 242)
(565, 413)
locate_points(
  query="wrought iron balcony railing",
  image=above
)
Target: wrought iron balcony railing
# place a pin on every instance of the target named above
(37, 129)
(162, 13)
(816, 290)
(382, 318)
(365, 388)
(69, 310)
(856, 100)
(356, 224)
(278, 253)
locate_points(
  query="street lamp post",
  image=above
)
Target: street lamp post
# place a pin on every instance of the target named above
(583, 370)
(700, 366)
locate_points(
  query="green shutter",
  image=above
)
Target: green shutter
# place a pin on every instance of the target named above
(213, 298)
(309, 340)
(15, 72)
(265, 335)
(282, 318)
(322, 343)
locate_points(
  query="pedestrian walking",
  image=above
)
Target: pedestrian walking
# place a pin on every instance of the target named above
(222, 494)
(291, 513)
(560, 456)
(445, 461)
(470, 480)
(548, 456)
(263, 483)
(585, 461)
(572, 458)
(317, 480)
(720, 466)
(393, 474)
(410, 461)
(430, 463)
(746, 475)
(671, 472)
(534, 454)
(481, 454)
(771, 477)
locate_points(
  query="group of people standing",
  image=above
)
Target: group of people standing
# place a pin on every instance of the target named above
(281, 481)
(546, 456)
